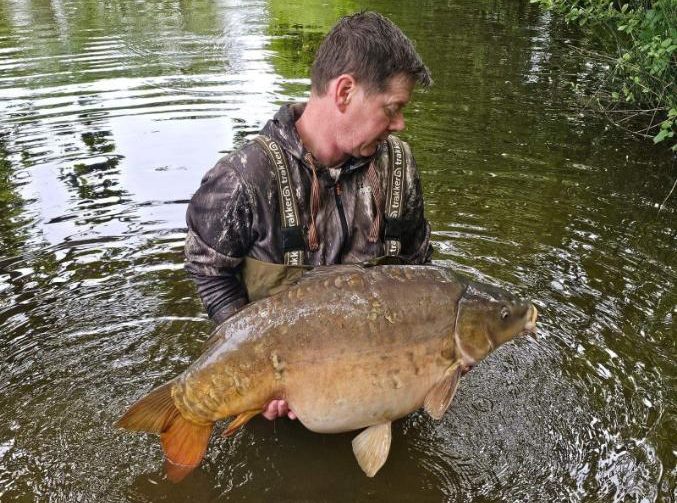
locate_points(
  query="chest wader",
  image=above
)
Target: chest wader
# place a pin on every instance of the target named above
(262, 279)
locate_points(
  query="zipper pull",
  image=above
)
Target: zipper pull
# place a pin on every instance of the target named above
(337, 189)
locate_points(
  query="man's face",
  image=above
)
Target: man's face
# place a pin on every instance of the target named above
(371, 117)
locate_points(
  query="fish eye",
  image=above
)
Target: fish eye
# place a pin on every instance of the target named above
(505, 312)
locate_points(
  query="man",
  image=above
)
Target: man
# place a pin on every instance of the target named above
(335, 161)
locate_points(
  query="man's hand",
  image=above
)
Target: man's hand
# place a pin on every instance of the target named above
(278, 408)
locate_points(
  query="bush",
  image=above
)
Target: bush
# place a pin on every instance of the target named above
(644, 57)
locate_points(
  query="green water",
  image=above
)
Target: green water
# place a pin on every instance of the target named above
(110, 112)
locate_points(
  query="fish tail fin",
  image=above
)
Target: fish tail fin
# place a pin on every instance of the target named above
(184, 444)
(183, 441)
(153, 413)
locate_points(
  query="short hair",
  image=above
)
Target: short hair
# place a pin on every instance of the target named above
(372, 49)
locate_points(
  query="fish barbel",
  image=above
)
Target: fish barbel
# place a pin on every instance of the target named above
(347, 347)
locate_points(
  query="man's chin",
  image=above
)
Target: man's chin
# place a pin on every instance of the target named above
(369, 150)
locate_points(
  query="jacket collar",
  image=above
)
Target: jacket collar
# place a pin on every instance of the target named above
(282, 129)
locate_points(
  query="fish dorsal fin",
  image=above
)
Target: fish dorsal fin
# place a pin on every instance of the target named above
(291, 277)
(329, 270)
(212, 340)
(439, 398)
(371, 447)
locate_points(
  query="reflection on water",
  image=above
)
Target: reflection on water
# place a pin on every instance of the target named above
(111, 113)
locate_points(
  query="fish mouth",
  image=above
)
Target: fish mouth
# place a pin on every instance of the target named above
(530, 326)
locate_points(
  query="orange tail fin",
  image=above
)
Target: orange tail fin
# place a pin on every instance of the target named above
(153, 413)
(184, 442)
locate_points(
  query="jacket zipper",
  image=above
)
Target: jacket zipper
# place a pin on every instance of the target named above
(342, 215)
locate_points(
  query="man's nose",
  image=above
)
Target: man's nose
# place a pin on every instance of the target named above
(397, 124)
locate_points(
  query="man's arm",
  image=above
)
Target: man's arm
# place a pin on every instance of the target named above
(219, 219)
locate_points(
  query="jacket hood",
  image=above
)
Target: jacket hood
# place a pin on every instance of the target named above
(282, 129)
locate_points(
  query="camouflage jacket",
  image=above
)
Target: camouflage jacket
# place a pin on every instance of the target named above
(235, 213)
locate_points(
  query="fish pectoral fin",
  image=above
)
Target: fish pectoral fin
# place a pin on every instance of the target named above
(439, 398)
(371, 447)
(240, 420)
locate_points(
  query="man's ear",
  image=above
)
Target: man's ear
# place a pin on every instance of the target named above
(344, 88)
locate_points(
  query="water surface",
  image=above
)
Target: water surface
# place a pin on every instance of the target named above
(112, 111)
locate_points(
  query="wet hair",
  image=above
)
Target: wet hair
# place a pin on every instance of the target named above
(372, 49)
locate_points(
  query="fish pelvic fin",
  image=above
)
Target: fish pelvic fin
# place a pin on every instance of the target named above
(371, 447)
(439, 398)
(184, 444)
(240, 421)
(153, 413)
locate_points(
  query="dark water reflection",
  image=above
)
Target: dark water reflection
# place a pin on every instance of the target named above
(112, 111)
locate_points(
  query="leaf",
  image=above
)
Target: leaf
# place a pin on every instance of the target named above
(662, 135)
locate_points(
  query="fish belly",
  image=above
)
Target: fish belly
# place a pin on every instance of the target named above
(348, 394)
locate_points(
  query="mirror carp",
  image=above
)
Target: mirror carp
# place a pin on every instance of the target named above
(348, 347)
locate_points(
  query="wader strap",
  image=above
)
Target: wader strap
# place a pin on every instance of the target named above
(293, 244)
(395, 197)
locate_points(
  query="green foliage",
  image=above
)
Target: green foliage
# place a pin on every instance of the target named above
(644, 69)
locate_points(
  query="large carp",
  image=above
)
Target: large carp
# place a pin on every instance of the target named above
(347, 347)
